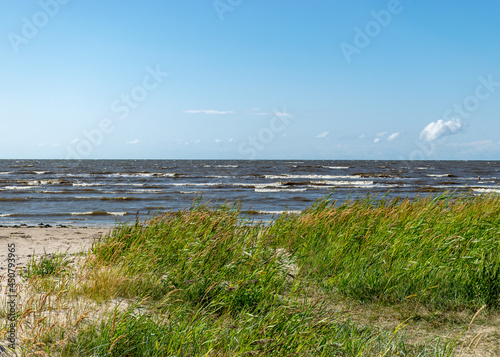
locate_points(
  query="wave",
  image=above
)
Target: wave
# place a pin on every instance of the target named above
(119, 198)
(98, 213)
(201, 184)
(326, 177)
(222, 166)
(44, 182)
(343, 183)
(261, 212)
(486, 190)
(87, 184)
(335, 167)
(15, 188)
(145, 174)
(144, 191)
(365, 175)
(440, 175)
(280, 189)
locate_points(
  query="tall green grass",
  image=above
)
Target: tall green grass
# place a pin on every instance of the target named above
(203, 282)
(443, 252)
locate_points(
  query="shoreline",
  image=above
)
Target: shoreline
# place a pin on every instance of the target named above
(36, 241)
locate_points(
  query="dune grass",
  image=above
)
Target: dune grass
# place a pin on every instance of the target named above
(202, 282)
(442, 251)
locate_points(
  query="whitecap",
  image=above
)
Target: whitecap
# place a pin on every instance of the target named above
(486, 190)
(326, 177)
(280, 189)
(277, 212)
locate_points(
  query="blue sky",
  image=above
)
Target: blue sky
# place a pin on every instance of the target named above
(240, 79)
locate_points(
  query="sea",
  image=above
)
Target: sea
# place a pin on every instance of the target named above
(88, 193)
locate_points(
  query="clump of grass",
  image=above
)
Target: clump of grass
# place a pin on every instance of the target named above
(46, 265)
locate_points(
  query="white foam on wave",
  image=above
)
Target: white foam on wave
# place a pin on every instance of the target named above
(86, 184)
(143, 174)
(6, 173)
(280, 189)
(16, 188)
(199, 184)
(43, 182)
(40, 172)
(343, 183)
(6, 215)
(438, 175)
(222, 166)
(144, 191)
(278, 212)
(266, 185)
(319, 177)
(486, 190)
(117, 213)
(91, 213)
(335, 167)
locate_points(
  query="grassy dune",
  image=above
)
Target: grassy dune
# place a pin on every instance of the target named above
(367, 278)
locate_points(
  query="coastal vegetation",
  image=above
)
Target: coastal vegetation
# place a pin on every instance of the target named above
(367, 277)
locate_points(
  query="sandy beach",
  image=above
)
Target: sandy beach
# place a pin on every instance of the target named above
(37, 241)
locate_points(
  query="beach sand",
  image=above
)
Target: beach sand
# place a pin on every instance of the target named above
(37, 241)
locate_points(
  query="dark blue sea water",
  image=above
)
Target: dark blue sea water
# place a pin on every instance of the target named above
(103, 192)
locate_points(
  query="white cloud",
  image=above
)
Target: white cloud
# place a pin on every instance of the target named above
(232, 140)
(362, 136)
(376, 140)
(74, 141)
(382, 133)
(393, 136)
(440, 128)
(323, 134)
(218, 141)
(133, 142)
(208, 111)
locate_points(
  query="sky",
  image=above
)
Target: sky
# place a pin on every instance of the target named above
(241, 79)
